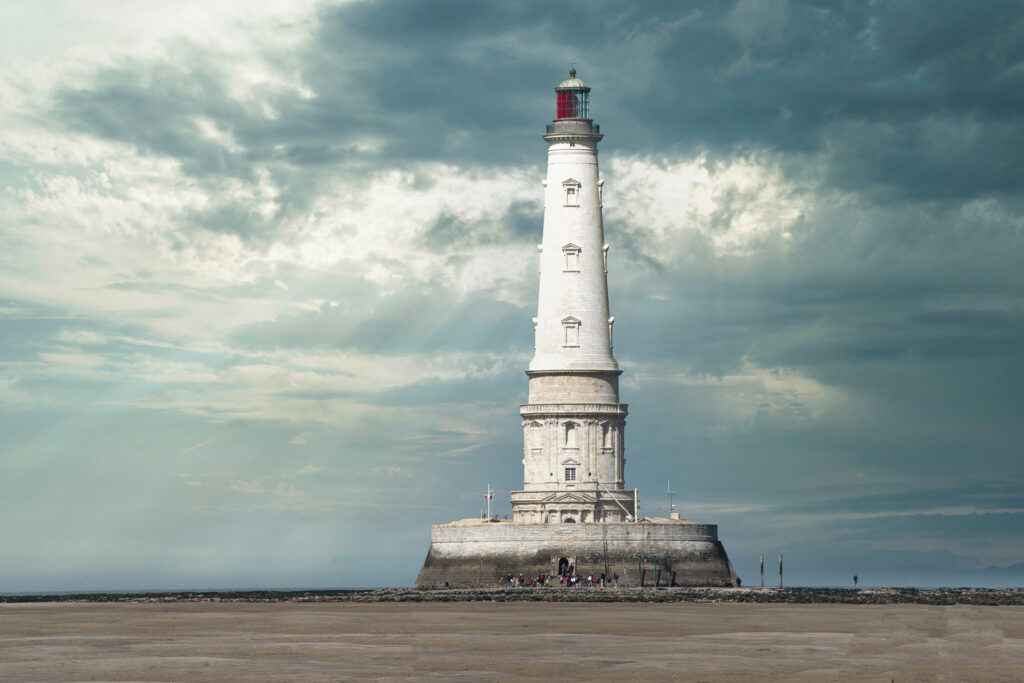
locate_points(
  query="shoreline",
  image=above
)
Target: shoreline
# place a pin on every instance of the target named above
(794, 595)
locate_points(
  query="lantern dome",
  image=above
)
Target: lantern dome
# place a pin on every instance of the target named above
(572, 83)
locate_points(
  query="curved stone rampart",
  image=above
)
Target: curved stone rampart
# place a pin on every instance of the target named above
(642, 554)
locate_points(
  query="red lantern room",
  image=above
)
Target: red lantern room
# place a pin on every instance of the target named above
(572, 98)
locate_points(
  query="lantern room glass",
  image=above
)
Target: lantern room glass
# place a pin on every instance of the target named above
(573, 104)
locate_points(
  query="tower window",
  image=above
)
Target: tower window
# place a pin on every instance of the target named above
(571, 187)
(572, 258)
(570, 474)
(571, 332)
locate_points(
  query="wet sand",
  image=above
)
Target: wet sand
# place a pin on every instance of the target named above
(289, 641)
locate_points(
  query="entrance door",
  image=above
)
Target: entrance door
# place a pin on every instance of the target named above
(563, 566)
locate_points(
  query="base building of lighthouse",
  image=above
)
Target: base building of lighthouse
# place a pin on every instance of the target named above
(574, 510)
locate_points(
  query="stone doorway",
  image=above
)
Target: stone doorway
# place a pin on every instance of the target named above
(563, 566)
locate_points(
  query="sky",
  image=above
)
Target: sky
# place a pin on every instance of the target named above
(267, 275)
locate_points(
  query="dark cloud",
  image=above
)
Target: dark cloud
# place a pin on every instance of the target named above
(917, 100)
(153, 106)
(519, 225)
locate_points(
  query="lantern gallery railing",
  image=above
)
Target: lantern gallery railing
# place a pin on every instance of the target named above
(573, 126)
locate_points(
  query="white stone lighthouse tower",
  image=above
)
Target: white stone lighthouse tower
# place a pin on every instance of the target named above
(574, 512)
(573, 424)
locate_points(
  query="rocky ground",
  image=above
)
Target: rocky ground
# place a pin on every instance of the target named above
(796, 595)
(866, 596)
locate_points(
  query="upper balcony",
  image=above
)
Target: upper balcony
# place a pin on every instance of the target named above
(573, 127)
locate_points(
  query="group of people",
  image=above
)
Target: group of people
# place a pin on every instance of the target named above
(532, 582)
(569, 578)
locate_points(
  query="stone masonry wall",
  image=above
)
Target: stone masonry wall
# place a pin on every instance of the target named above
(641, 554)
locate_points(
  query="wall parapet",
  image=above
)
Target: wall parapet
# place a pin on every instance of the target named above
(509, 536)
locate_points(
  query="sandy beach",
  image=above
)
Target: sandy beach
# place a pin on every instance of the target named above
(288, 641)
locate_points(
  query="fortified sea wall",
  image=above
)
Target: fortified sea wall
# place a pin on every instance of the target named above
(478, 553)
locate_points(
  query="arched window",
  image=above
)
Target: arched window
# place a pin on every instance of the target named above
(570, 435)
(534, 435)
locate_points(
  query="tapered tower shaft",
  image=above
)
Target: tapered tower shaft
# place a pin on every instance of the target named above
(573, 453)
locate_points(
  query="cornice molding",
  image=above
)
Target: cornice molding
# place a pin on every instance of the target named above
(550, 409)
(540, 373)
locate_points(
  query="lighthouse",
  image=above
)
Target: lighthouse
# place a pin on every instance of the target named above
(573, 512)
(573, 423)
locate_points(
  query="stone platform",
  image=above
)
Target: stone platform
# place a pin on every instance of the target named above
(658, 551)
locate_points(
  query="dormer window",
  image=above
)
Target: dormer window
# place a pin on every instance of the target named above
(571, 254)
(571, 187)
(571, 332)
